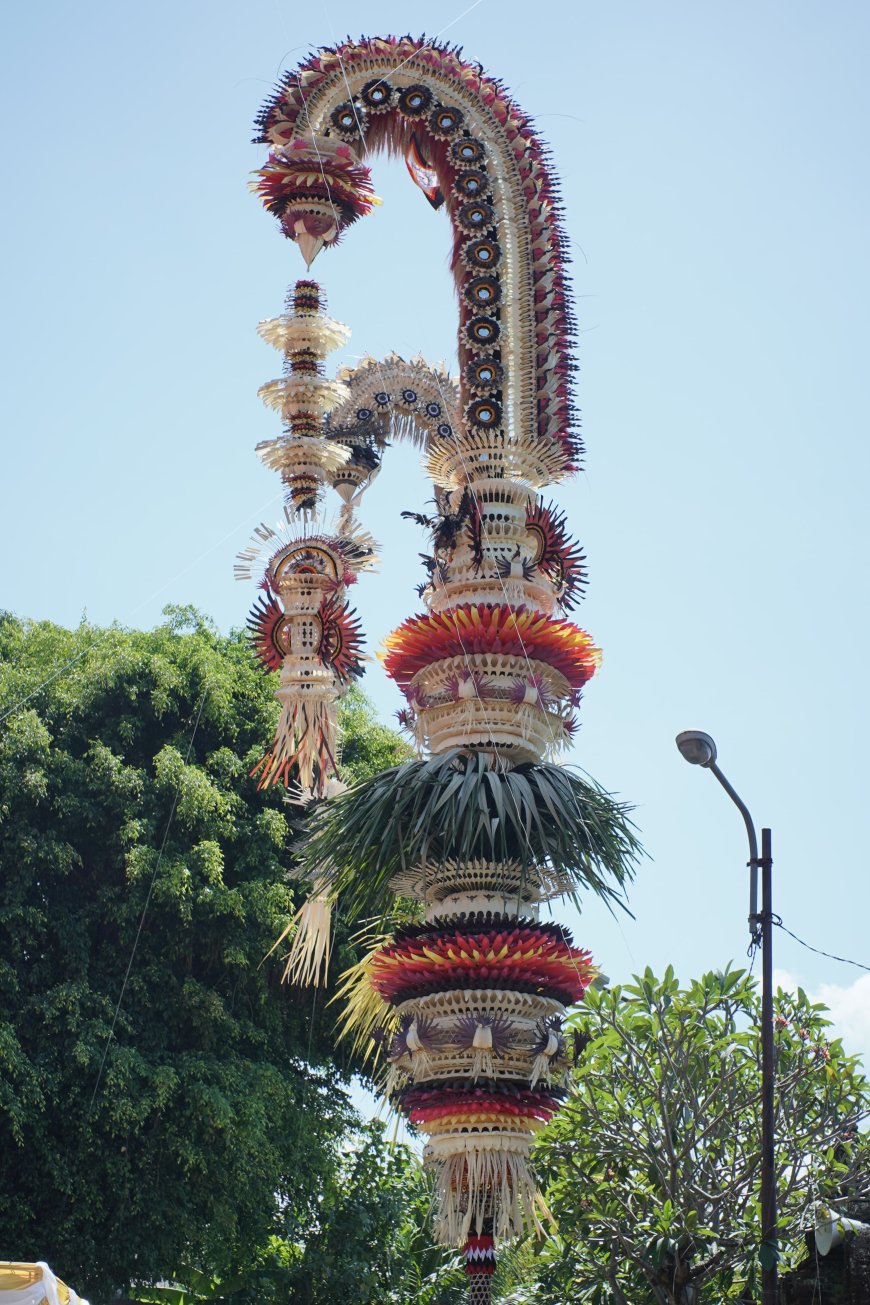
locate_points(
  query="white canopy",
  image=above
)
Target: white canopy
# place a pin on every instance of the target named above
(34, 1284)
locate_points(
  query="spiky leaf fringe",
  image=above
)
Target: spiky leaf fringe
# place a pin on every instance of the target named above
(458, 806)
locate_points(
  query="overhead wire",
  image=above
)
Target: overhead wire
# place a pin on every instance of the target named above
(433, 39)
(72, 661)
(148, 896)
(844, 960)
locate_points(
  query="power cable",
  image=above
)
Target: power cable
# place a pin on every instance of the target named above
(144, 603)
(147, 900)
(845, 960)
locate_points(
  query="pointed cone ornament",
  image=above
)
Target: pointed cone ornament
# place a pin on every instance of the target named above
(310, 246)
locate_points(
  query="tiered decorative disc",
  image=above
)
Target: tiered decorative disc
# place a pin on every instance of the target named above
(472, 997)
(303, 625)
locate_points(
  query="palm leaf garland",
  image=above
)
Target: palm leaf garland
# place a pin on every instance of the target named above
(457, 806)
(308, 958)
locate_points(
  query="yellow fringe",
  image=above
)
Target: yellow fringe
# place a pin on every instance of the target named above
(364, 1008)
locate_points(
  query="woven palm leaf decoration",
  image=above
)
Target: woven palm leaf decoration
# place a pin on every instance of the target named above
(464, 1007)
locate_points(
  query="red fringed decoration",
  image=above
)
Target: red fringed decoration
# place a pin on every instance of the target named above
(471, 1106)
(532, 958)
(560, 557)
(341, 639)
(478, 628)
(268, 632)
(316, 189)
(514, 1106)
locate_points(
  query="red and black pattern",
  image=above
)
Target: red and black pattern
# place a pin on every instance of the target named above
(480, 1258)
(268, 631)
(559, 556)
(458, 164)
(533, 958)
(341, 639)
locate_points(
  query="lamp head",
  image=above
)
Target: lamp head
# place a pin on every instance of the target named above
(697, 747)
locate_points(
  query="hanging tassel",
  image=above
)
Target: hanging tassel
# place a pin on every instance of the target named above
(304, 740)
(542, 1062)
(482, 1178)
(421, 1061)
(481, 1066)
(311, 927)
(308, 958)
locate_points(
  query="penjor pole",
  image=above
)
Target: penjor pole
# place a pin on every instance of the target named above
(464, 999)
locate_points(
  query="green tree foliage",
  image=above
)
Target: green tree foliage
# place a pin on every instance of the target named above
(370, 1240)
(137, 857)
(367, 1239)
(373, 1240)
(654, 1163)
(367, 747)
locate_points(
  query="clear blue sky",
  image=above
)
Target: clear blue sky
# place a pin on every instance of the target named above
(714, 164)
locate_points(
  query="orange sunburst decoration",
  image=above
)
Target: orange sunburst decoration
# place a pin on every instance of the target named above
(519, 955)
(482, 628)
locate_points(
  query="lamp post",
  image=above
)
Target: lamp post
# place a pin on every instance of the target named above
(700, 750)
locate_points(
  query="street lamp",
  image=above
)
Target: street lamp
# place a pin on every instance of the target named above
(700, 750)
